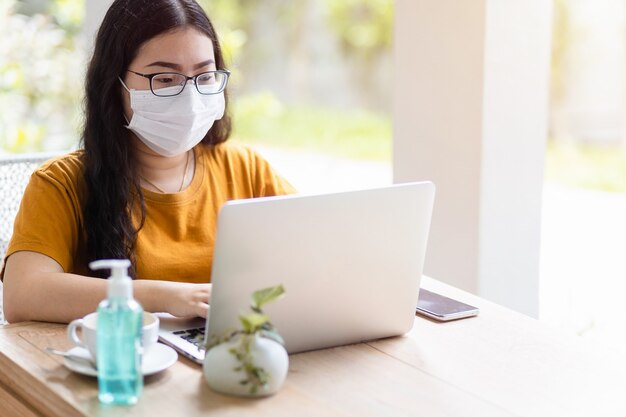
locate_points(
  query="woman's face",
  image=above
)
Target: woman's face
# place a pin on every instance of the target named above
(187, 51)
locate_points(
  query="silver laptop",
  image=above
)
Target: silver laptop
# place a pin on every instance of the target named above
(350, 263)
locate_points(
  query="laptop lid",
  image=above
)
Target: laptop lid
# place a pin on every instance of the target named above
(350, 262)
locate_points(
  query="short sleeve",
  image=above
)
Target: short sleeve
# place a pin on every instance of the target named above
(49, 217)
(268, 182)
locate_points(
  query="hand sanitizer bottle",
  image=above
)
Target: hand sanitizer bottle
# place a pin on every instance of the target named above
(118, 335)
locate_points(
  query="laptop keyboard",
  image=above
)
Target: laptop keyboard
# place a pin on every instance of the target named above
(193, 336)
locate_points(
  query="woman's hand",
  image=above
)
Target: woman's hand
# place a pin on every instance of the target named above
(36, 288)
(187, 300)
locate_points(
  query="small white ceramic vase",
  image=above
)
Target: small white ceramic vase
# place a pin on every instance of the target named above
(220, 366)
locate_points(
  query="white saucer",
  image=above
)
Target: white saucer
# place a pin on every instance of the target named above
(158, 358)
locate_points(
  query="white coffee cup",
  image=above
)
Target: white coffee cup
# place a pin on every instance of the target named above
(89, 324)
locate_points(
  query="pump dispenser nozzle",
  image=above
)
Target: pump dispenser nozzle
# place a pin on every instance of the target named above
(120, 284)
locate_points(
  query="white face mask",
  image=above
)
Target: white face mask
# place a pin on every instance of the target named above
(173, 125)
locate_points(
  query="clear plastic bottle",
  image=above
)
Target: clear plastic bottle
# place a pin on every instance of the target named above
(119, 348)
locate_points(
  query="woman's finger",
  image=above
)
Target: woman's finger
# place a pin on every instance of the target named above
(202, 309)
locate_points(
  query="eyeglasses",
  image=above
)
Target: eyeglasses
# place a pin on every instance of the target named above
(210, 82)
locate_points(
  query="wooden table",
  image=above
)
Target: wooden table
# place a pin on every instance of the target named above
(500, 363)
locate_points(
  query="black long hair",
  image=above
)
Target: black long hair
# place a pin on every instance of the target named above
(114, 209)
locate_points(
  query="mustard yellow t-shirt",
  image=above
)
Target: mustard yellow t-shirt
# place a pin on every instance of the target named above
(177, 239)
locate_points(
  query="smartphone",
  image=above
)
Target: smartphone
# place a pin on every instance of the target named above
(442, 308)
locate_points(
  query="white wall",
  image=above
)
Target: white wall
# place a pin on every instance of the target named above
(470, 114)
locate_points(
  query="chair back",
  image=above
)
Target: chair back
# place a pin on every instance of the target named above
(15, 171)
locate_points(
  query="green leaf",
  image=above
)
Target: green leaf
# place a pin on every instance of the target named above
(253, 322)
(267, 295)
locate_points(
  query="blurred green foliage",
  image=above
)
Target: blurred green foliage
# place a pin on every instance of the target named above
(41, 77)
(262, 119)
(593, 166)
(68, 14)
(364, 27)
(42, 62)
(587, 166)
(231, 19)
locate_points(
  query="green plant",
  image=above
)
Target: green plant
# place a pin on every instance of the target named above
(41, 73)
(256, 322)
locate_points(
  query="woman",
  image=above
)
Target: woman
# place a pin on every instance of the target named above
(150, 179)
